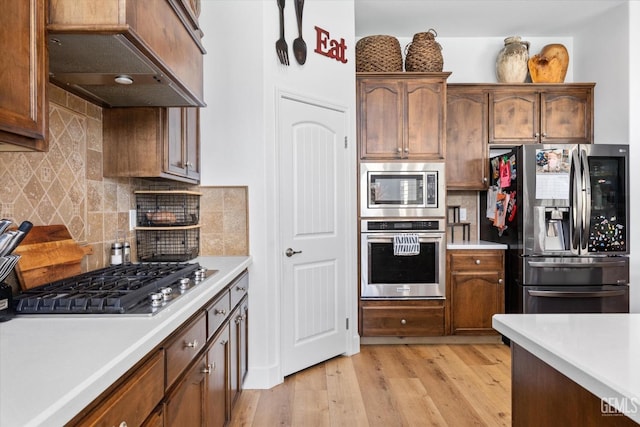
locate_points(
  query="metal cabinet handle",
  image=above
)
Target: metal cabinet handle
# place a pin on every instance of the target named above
(406, 150)
(477, 262)
(238, 320)
(123, 424)
(290, 252)
(484, 180)
(222, 312)
(193, 344)
(537, 134)
(241, 288)
(500, 281)
(399, 150)
(403, 322)
(207, 369)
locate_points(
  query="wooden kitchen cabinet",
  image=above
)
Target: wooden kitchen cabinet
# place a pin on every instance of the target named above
(218, 406)
(152, 143)
(239, 338)
(402, 318)
(24, 106)
(401, 115)
(467, 132)
(534, 113)
(134, 399)
(476, 287)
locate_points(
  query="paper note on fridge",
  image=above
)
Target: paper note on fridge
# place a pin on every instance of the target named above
(552, 186)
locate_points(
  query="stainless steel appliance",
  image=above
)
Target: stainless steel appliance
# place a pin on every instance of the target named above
(402, 189)
(129, 289)
(386, 274)
(563, 211)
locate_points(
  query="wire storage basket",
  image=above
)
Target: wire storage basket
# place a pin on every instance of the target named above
(378, 53)
(176, 245)
(167, 208)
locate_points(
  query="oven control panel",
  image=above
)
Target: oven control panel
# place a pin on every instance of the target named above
(402, 225)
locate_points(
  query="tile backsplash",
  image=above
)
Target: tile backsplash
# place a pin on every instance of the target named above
(65, 186)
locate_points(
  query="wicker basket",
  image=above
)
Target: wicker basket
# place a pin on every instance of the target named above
(378, 53)
(424, 53)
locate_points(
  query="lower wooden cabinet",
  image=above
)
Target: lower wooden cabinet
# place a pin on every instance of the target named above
(133, 399)
(191, 379)
(476, 289)
(402, 318)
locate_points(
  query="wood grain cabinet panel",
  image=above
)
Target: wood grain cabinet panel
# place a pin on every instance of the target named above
(185, 346)
(401, 115)
(135, 398)
(150, 142)
(531, 114)
(404, 318)
(476, 286)
(467, 132)
(24, 106)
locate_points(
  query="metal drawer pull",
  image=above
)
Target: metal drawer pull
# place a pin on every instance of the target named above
(193, 344)
(223, 311)
(241, 288)
(207, 369)
(477, 262)
(560, 294)
(123, 424)
(403, 322)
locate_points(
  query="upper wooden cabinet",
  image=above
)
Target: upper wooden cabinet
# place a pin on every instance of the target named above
(467, 133)
(534, 113)
(401, 115)
(152, 143)
(23, 79)
(155, 45)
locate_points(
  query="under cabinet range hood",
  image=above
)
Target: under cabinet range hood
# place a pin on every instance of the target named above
(108, 69)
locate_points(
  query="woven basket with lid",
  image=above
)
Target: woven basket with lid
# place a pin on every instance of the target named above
(378, 53)
(424, 53)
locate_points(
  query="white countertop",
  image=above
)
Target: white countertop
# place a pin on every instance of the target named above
(601, 352)
(52, 367)
(476, 244)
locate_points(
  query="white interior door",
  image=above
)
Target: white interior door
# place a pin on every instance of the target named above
(313, 217)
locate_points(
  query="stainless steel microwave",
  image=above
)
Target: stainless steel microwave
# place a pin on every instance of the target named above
(402, 189)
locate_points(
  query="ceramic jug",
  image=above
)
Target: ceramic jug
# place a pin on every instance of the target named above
(511, 64)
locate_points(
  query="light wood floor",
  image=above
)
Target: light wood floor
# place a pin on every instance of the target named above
(391, 385)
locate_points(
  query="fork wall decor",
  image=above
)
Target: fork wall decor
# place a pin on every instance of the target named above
(299, 45)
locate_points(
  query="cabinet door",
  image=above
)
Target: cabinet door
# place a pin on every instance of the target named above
(467, 148)
(186, 404)
(476, 285)
(424, 120)
(238, 349)
(23, 79)
(174, 142)
(566, 116)
(380, 118)
(191, 141)
(406, 318)
(514, 117)
(218, 406)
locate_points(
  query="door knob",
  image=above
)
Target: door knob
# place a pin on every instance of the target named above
(290, 252)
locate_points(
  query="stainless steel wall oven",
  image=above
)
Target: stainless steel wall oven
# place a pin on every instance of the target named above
(402, 258)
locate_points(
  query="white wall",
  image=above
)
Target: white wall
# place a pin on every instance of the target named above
(243, 78)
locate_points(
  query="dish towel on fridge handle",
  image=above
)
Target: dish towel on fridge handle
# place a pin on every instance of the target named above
(406, 244)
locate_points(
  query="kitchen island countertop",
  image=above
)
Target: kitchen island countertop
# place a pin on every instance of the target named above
(51, 367)
(600, 352)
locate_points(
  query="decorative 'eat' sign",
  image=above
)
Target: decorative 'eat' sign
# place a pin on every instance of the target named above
(328, 47)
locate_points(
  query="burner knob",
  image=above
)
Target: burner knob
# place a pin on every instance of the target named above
(166, 293)
(184, 283)
(156, 299)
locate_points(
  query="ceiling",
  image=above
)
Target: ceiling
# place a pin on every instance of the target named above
(475, 18)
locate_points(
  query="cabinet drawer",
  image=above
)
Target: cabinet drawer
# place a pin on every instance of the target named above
(185, 347)
(134, 400)
(470, 260)
(403, 320)
(217, 313)
(239, 289)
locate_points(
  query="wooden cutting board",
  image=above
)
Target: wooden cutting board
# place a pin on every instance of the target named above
(48, 253)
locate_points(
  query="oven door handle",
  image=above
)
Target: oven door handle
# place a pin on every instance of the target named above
(564, 294)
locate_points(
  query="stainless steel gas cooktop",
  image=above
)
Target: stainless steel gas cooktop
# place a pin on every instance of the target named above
(129, 289)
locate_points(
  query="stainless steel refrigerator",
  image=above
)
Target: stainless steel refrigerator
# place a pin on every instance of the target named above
(563, 211)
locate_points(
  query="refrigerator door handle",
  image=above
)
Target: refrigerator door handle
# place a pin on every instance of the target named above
(556, 264)
(586, 222)
(577, 294)
(576, 202)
